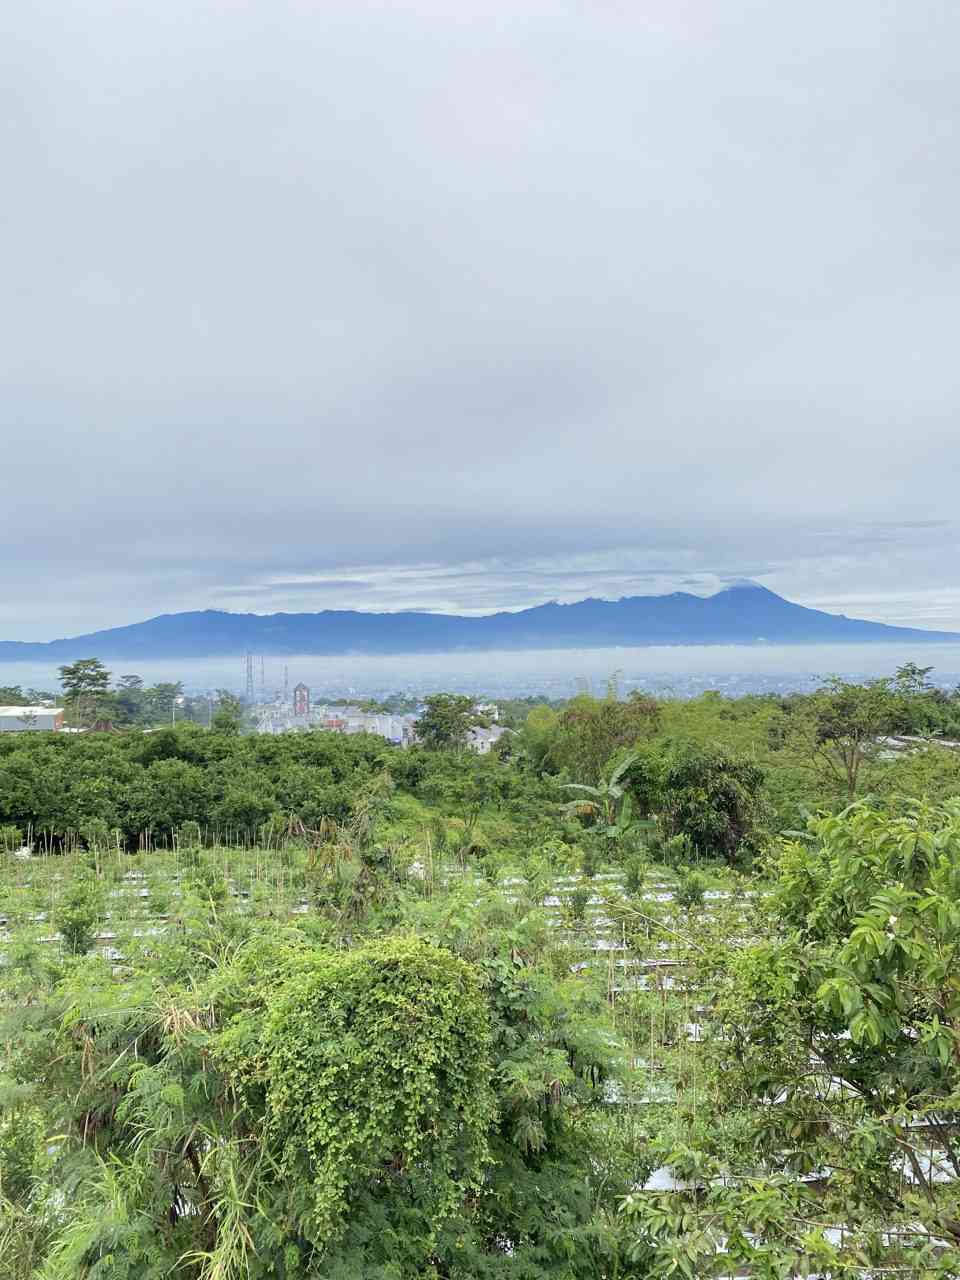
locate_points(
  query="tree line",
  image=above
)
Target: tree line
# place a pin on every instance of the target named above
(91, 696)
(719, 775)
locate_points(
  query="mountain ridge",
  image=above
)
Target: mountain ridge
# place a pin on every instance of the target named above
(743, 613)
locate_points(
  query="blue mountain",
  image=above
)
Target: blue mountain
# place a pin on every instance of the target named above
(744, 613)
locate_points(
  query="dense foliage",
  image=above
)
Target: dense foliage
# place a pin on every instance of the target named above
(833, 1048)
(145, 787)
(639, 994)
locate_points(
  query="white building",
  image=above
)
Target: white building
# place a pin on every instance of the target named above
(23, 719)
(338, 719)
(483, 740)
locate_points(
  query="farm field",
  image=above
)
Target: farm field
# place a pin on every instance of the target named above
(616, 961)
(453, 1016)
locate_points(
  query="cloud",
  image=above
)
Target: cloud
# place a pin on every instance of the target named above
(457, 305)
(303, 585)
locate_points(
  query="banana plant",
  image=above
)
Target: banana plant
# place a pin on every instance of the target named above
(609, 802)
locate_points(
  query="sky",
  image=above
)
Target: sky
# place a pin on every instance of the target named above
(459, 306)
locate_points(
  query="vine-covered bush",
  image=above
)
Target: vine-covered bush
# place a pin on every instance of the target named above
(374, 1077)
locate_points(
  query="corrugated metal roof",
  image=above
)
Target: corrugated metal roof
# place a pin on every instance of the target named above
(19, 712)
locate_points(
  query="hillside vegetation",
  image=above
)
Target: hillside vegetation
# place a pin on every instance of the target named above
(658, 988)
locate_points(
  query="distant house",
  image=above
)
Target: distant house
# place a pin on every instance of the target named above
(24, 719)
(483, 740)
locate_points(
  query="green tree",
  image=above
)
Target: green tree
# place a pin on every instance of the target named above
(129, 699)
(160, 700)
(244, 807)
(590, 731)
(837, 1056)
(532, 744)
(40, 697)
(371, 1071)
(446, 720)
(912, 679)
(848, 721)
(84, 683)
(228, 717)
(160, 798)
(712, 797)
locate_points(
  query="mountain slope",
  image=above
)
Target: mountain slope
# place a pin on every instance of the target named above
(741, 614)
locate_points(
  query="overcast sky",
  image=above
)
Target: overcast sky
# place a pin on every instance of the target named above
(450, 305)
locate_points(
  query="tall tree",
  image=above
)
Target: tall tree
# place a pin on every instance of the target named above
(84, 682)
(849, 719)
(161, 700)
(912, 679)
(446, 720)
(591, 730)
(228, 717)
(128, 699)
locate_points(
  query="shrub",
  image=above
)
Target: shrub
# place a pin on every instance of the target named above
(373, 1067)
(207, 881)
(690, 890)
(160, 899)
(713, 797)
(577, 905)
(677, 851)
(11, 837)
(189, 835)
(79, 912)
(637, 870)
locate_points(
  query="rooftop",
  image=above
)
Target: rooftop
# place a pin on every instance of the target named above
(30, 711)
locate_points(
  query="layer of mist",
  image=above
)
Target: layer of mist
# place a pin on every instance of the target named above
(558, 673)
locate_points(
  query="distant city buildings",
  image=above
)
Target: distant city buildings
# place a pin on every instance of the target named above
(301, 714)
